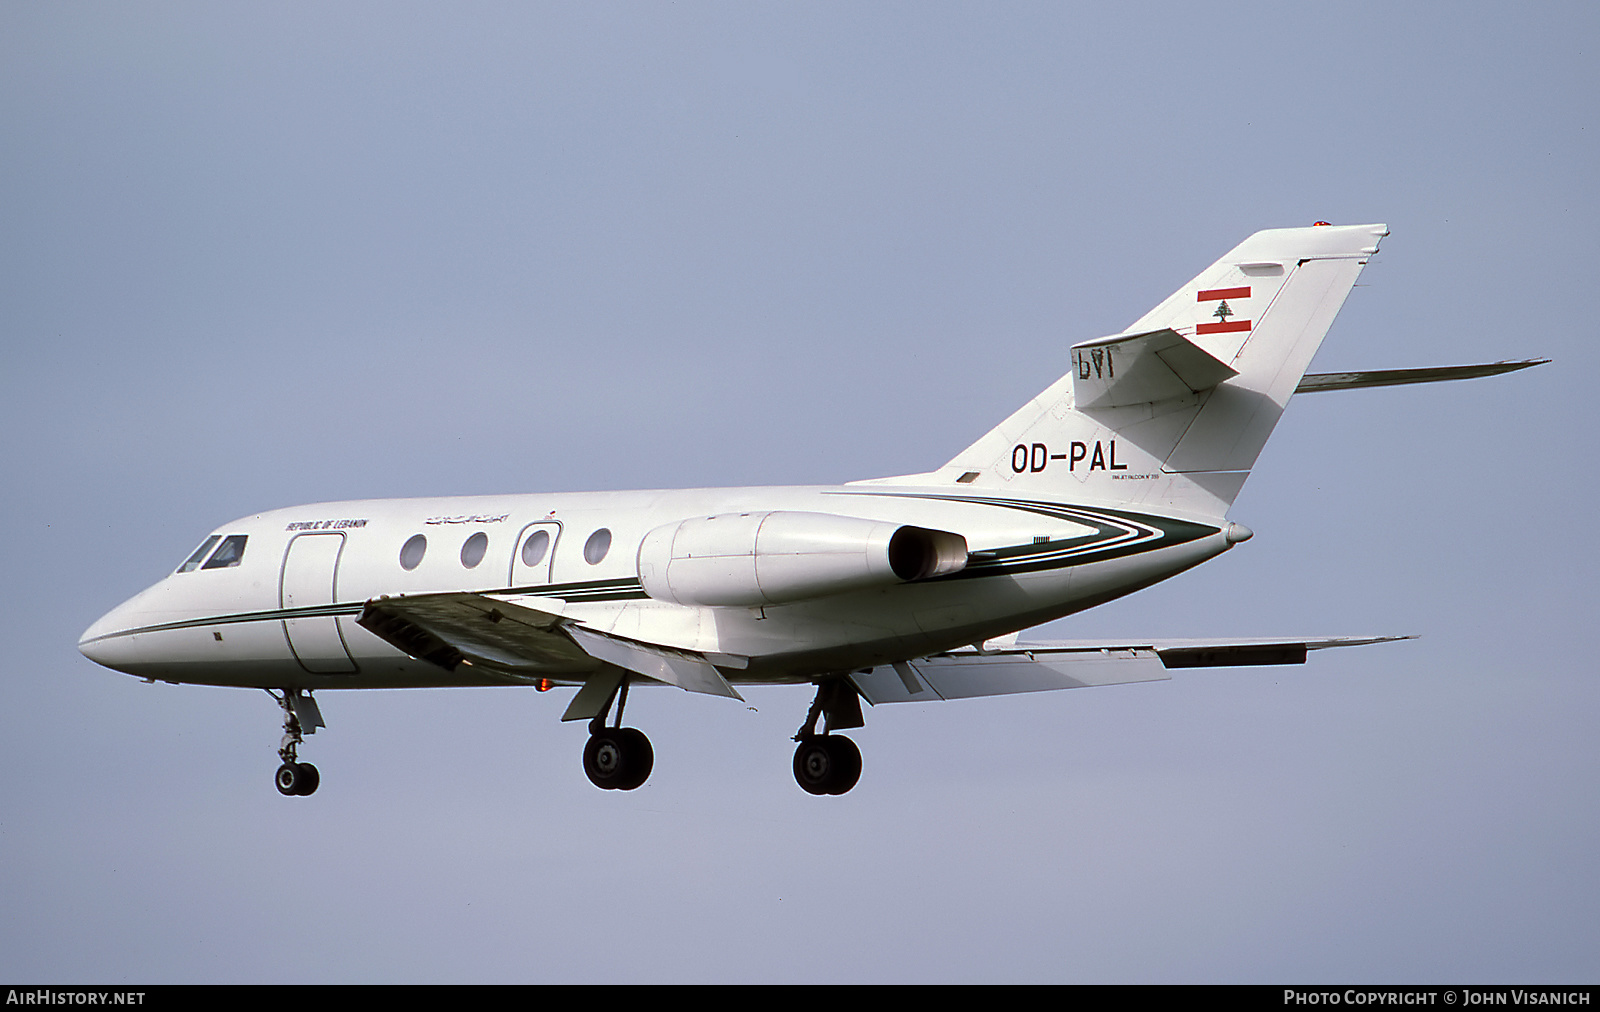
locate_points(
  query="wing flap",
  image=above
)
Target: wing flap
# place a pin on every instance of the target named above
(1002, 667)
(687, 671)
(521, 640)
(968, 675)
(449, 629)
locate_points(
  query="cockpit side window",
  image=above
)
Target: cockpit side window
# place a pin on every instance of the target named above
(229, 553)
(193, 562)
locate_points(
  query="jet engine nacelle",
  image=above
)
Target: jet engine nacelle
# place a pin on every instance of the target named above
(752, 559)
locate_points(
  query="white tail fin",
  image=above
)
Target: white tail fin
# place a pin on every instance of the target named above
(1173, 412)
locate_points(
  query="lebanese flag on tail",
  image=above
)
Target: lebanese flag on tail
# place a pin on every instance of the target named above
(1223, 310)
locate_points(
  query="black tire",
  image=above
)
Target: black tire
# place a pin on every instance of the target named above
(641, 758)
(846, 763)
(605, 759)
(288, 779)
(310, 779)
(813, 765)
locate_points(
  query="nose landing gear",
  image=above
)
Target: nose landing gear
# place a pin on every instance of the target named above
(295, 778)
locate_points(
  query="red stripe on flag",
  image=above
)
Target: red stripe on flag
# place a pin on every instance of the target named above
(1213, 294)
(1222, 328)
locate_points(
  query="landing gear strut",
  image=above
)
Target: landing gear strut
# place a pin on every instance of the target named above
(617, 758)
(829, 763)
(299, 713)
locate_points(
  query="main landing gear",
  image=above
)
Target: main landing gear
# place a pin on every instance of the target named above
(829, 763)
(300, 712)
(617, 758)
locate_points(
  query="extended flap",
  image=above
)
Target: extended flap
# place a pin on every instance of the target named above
(965, 675)
(1004, 666)
(1137, 368)
(690, 672)
(447, 629)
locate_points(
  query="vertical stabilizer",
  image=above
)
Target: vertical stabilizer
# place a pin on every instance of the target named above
(1173, 412)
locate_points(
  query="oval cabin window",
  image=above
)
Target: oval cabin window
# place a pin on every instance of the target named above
(411, 554)
(472, 551)
(597, 546)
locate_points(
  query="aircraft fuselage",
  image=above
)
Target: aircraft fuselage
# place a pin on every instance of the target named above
(284, 615)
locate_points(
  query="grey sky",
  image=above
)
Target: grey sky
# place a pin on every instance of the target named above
(255, 255)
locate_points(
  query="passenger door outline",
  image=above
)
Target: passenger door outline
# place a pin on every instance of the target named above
(523, 575)
(310, 578)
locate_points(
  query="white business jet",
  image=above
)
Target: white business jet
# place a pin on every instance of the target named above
(903, 589)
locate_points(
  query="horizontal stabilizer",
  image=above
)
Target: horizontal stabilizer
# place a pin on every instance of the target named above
(1000, 670)
(1137, 368)
(1316, 382)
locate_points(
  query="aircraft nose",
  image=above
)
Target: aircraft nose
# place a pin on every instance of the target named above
(101, 642)
(96, 650)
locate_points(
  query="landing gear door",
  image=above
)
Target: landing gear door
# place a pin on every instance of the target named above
(536, 546)
(310, 569)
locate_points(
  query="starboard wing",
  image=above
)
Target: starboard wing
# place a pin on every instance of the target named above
(1003, 667)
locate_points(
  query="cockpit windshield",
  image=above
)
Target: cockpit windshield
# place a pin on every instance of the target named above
(193, 562)
(229, 553)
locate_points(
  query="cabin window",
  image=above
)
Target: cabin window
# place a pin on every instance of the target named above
(229, 553)
(597, 546)
(193, 562)
(534, 548)
(413, 550)
(472, 551)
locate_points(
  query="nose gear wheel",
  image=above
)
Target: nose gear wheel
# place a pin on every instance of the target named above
(295, 778)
